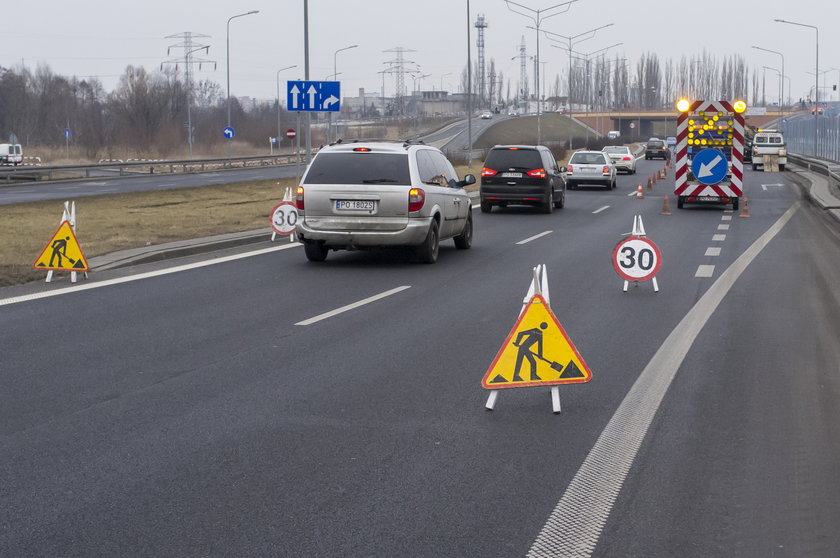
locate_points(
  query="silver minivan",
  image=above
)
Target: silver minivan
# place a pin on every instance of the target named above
(365, 194)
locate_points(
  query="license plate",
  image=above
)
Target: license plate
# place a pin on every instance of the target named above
(511, 175)
(355, 205)
(587, 170)
(708, 198)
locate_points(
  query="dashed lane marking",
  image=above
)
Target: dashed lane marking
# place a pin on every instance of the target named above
(575, 524)
(600, 209)
(712, 251)
(705, 271)
(723, 227)
(536, 236)
(726, 218)
(352, 306)
(718, 237)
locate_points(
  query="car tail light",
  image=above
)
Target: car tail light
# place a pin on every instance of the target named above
(538, 173)
(783, 152)
(569, 169)
(626, 159)
(488, 172)
(606, 169)
(416, 199)
(299, 198)
(361, 149)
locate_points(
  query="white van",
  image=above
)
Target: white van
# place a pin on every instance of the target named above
(613, 134)
(11, 154)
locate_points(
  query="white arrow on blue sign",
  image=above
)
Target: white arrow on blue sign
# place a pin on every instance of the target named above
(709, 166)
(313, 96)
(228, 132)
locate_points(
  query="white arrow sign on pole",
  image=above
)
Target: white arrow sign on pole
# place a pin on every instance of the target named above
(706, 168)
(312, 92)
(295, 95)
(331, 100)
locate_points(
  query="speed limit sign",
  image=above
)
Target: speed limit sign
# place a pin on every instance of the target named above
(636, 258)
(284, 218)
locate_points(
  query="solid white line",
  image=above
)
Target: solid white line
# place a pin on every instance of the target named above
(705, 271)
(573, 528)
(139, 276)
(600, 209)
(536, 236)
(712, 251)
(718, 237)
(343, 309)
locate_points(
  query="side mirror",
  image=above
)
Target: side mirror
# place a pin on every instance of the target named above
(468, 179)
(563, 169)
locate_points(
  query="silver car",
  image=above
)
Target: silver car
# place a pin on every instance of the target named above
(621, 157)
(367, 194)
(590, 168)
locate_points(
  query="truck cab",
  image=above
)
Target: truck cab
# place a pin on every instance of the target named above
(769, 142)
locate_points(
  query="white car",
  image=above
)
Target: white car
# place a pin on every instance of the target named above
(368, 194)
(622, 158)
(486, 115)
(590, 168)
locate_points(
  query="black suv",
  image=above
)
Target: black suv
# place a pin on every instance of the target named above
(522, 174)
(657, 149)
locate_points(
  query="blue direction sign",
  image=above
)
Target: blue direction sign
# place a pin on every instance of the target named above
(709, 166)
(312, 96)
(228, 132)
(66, 132)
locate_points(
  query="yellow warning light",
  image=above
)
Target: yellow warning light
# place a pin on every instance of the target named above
(729, 136)
(683, 105)
(719, 114)
(691, 128)
(728, 142)
(703, 142)
(701, 113)
(691, 134)
(691, 122)
(716, 117)
(729, 122)
(739, 106)
(691, 142)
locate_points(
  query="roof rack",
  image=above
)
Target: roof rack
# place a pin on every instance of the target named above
(405, 142)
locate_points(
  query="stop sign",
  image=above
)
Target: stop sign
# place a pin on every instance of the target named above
(291, 134)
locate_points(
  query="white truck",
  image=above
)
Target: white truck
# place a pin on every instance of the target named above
(11, 154)
(769, 150)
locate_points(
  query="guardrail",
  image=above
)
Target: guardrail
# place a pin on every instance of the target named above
(821, 166)
(138, 168)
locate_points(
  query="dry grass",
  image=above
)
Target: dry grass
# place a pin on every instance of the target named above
(109, 223)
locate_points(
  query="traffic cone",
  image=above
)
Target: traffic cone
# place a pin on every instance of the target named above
(745, 212)
(666, 207)
(639, 193)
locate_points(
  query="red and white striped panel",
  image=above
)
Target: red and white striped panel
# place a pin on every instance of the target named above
(681, 186)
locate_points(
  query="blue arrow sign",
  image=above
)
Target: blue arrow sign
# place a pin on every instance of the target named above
(228, 132)
(313, 96)
(66, 132)
(709, 166)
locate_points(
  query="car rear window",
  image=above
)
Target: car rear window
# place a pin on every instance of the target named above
(616, 150)
(768, 139)
(587, 158)
(657, 143)
(363, 167)
(513, 159)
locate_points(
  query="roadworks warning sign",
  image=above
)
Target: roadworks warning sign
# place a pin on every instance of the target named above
(62, 252)
(537, 352)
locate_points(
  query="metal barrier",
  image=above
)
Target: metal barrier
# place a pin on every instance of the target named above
(138, 168)
(800, 136)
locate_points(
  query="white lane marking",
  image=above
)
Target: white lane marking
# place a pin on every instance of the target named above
(712, 251)
(536, 236)
(727, 211)
(599, 210)
(343, 309)
(575, 524)
(723, 227)
(705, 271)
(148, 275)
(476, 206)
(726, 218)
(718, 237)
(764, 187)
(633, 193)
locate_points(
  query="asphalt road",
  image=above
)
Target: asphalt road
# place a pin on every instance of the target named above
(187, 414)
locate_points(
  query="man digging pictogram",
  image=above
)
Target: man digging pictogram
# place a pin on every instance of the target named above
(524, 341)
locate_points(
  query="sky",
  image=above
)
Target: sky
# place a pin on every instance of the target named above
(94, 38)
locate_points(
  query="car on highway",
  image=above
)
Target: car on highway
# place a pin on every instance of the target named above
(486, 115)
(622, 158)
(360, 194)
(590, 168)
(656, 149)
(671, 141)
(522, 174)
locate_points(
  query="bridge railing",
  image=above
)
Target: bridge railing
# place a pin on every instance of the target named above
(800, 137)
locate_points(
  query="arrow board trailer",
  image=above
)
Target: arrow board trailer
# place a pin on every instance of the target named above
(710, 152)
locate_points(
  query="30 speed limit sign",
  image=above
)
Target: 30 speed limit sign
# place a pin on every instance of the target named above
(636, 258)
(284, 218)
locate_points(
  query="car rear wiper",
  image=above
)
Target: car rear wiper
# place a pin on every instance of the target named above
(377, 180)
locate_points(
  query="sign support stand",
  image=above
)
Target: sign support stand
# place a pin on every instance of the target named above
(69, 214)
(640, 234)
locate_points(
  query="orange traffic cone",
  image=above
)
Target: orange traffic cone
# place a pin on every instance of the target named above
(745, 212)
(639, 193)
(666, 207)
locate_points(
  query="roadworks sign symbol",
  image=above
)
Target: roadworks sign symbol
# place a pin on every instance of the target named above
(62, 252)
(537, 352)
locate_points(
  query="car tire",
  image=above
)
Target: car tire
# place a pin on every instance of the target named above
(548, 206)
(680, 202)
(735, 204)
(781, 167)
(755, 167)
(315, 251)
(464, 240)
(561, 203)
(571, 185)
(486, 207)
(427, 252)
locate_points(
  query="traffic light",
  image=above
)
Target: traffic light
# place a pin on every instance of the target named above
(834, 87)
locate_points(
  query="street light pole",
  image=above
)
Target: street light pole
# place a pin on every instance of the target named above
(782, 79)
(817, 89)
(571, 41)
(228, 66)
(537, 17)
(335, 76)
(278, 101)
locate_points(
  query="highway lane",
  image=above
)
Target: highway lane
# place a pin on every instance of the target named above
(188, 414)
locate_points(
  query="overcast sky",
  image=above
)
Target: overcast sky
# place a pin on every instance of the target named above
(94, 38)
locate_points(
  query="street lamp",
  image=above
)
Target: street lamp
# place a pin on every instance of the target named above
(278, 99)
(537, 17)
(335, 76)
(441, 79)
(228, 64)
(817, 90)
(782, 79)
(571, 40)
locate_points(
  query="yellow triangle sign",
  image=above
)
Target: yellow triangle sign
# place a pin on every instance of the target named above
(537, 352)
(62, 252)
